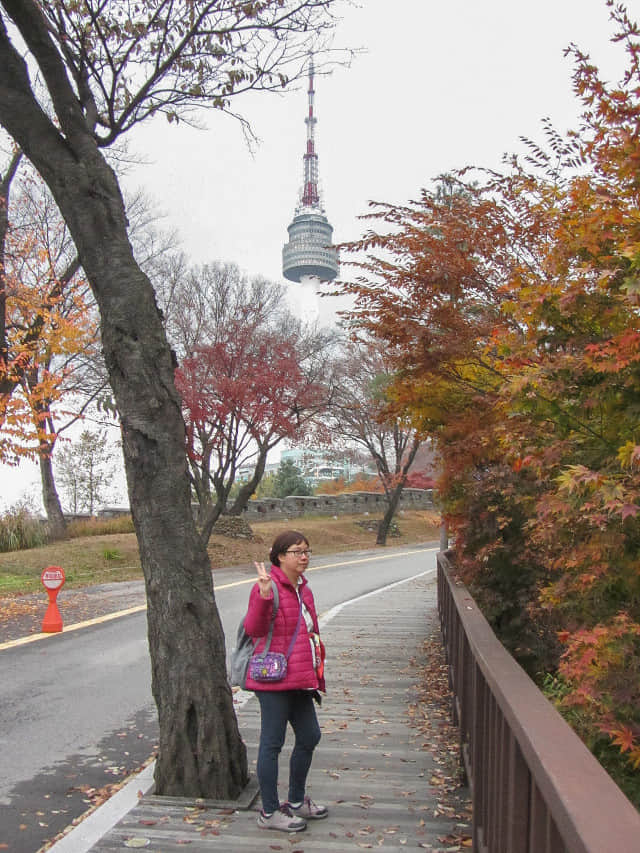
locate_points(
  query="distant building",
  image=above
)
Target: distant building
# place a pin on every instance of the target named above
(316, 467)
(246, 471)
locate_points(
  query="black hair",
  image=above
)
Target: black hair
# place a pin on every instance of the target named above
(283, 542)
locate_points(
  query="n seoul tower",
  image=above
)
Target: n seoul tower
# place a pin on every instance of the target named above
(308, 258)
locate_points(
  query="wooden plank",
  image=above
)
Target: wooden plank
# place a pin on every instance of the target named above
(369, 767)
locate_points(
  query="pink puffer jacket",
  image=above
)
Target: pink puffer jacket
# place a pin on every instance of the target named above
(300, 672)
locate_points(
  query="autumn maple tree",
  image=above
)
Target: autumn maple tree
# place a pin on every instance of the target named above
(243, 395)
(513, 298)
(250, 374)
(50, 332)
(74, 78)
(53, 375)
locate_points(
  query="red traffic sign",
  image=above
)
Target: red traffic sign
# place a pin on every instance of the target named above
(52, 577)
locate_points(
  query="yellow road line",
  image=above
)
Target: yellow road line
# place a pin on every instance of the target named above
(32, 638)
(22, 641)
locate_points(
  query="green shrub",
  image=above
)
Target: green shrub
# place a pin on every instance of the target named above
(111, 554)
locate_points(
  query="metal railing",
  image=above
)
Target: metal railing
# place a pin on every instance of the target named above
(535, 787)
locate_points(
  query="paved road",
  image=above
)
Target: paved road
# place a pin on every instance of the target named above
(76, 712)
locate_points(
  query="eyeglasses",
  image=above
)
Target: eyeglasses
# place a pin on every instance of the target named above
(306, 553)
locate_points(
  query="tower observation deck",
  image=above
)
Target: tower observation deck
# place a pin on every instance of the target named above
(308, 254)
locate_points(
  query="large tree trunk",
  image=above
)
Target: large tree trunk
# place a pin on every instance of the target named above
(242, 498)
(55, 517)
(211, 514)
(201, 753)
(387, 518)
(214, 512)
(393, 497)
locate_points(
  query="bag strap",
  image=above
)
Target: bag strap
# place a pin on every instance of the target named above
(276, 604)
(295, 633)
(273, 619)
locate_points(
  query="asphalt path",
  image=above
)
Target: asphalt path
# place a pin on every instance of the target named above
(76, 712)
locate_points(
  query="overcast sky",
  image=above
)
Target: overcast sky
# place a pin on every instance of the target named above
(439, 86)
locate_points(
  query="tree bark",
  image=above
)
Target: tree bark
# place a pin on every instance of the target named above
(387, 518)
(210, 515)
(7, 384)
(55, 517)
(214, 512)
(251, 485)
(200, 753)
(393, 499)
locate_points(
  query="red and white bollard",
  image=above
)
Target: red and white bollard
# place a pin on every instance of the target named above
(53, 580)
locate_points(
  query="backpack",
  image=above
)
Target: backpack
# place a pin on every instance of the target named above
(243, 649)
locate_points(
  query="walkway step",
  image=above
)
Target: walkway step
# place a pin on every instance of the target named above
(381, 786)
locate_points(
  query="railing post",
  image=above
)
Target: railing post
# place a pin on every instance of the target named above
(518, 800)
(444, 536)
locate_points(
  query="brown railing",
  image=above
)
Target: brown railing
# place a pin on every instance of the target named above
(535, 787)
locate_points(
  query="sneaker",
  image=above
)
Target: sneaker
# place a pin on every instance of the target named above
(309, 810)
(283, 820)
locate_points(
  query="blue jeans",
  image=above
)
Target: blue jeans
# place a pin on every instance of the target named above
(277, 708)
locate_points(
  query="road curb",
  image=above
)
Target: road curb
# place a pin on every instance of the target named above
(92, 828)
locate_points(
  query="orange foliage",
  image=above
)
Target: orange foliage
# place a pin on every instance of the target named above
(361, 483)
(47, 320)
(513, 301)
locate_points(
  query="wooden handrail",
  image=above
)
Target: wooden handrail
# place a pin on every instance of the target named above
(535, 786)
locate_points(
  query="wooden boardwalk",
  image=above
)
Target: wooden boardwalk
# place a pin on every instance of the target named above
(380, 784)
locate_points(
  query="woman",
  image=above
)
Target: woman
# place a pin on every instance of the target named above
(291, 699)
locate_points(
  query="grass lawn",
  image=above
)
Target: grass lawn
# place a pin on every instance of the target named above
(111, 557)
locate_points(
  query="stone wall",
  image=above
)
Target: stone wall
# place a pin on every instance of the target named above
(347, 503)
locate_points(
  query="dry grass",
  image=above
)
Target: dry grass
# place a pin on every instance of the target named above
(114, 557)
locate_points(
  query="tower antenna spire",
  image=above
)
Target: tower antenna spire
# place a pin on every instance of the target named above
(308, 257)
(310, 196)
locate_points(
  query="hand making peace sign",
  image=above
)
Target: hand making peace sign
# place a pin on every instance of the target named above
(264, 580)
